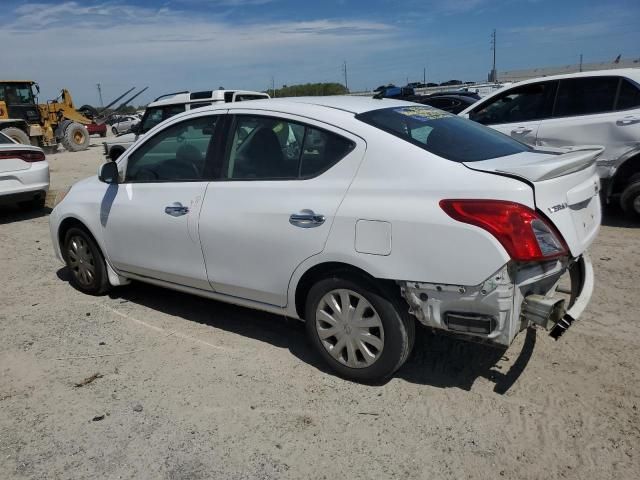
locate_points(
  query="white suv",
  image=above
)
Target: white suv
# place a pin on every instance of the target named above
(166, 106)
(589, 108)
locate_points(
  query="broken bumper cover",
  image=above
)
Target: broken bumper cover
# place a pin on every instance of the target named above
(513, 298)
(582, 282)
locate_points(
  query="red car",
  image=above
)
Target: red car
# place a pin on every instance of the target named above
(97, 128)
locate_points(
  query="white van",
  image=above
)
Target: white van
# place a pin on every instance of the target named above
(588, 108)
(171, 104)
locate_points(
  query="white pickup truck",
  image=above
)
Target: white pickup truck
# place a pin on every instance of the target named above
(171, 104)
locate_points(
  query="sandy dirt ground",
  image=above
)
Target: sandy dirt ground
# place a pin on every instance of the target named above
(189, 388)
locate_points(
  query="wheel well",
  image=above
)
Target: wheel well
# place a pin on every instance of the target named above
(66, 225)
(624, 173)
(325, 270)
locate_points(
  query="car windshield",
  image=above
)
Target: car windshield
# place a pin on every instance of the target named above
(154, 115)
(443, 134)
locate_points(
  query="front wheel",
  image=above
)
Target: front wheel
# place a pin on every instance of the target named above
(75, 138)
(114, 130)
(86, 263)
(359, 332)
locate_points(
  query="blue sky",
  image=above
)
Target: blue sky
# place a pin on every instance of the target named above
(198, 44)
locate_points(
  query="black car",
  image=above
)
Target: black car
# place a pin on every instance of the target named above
(450, 102)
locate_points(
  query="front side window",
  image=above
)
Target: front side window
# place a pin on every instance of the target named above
(155, 115)
(17, 93)
(267, 148)
(443, 134)
(520, 104)
(585, 96)
(177, 153)
(629, 96)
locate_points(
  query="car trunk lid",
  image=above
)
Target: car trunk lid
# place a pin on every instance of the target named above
(565, 185)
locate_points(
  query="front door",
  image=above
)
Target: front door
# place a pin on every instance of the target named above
(150, 220)
(282, 182)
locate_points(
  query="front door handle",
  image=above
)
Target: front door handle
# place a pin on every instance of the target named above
(520, 131)
(176, 209)
(306, 219)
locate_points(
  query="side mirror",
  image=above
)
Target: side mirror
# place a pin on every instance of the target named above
(108, 172)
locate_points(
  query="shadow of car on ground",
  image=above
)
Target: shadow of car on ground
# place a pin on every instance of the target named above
(12, 214)
(438, 360)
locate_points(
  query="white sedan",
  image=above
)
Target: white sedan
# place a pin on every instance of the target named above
(124, 124)
(24, 174)
(358, 216)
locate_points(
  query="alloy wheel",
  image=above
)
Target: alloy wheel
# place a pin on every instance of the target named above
(81, 261)
(349, 328)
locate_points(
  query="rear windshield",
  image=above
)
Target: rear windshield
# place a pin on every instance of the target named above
(443, 134)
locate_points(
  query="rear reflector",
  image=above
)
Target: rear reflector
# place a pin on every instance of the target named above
(469, 322)
(26, 155)
(524, 234)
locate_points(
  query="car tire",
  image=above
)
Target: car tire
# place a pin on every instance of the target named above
(103, 134)
(630, 198)
(75, 138)
(114, 130)
(378, 336)
(88, 271)
(16, 134)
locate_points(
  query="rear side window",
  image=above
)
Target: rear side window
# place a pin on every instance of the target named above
(585, 96)
(629, 96)
(4, 139)
(443, 134)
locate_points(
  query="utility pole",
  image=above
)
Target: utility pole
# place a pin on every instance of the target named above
(100, 95)
(273, 87)
(344, 68)
(580, 62)
(494, 73)
(424, 76)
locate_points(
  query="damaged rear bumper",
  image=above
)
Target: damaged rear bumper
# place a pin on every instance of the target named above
(513, 298)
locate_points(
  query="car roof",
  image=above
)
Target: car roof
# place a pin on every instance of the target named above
(633, 73)
(345, 103)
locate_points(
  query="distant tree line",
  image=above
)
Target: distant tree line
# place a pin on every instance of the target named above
(309, 89)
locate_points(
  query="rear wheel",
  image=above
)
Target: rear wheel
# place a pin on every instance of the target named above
(16, 134)
(85, 262)
(114, 130)
(75, 138)
(360, 333)
(630, 198)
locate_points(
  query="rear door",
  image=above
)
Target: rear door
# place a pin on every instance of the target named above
(280, 186)
(518, 111)
(599, 110)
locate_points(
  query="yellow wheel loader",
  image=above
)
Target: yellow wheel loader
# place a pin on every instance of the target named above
(45, 125)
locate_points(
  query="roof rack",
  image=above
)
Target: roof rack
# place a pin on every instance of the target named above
(170, 94)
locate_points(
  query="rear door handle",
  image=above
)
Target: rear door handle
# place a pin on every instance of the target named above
(520, 131)
(176, 209)
(306, 219)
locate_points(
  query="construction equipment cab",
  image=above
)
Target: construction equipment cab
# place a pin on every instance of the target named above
(171, 104)
(45, 125)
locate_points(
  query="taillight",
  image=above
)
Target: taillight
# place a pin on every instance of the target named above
(26, 155)
(524, 234)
